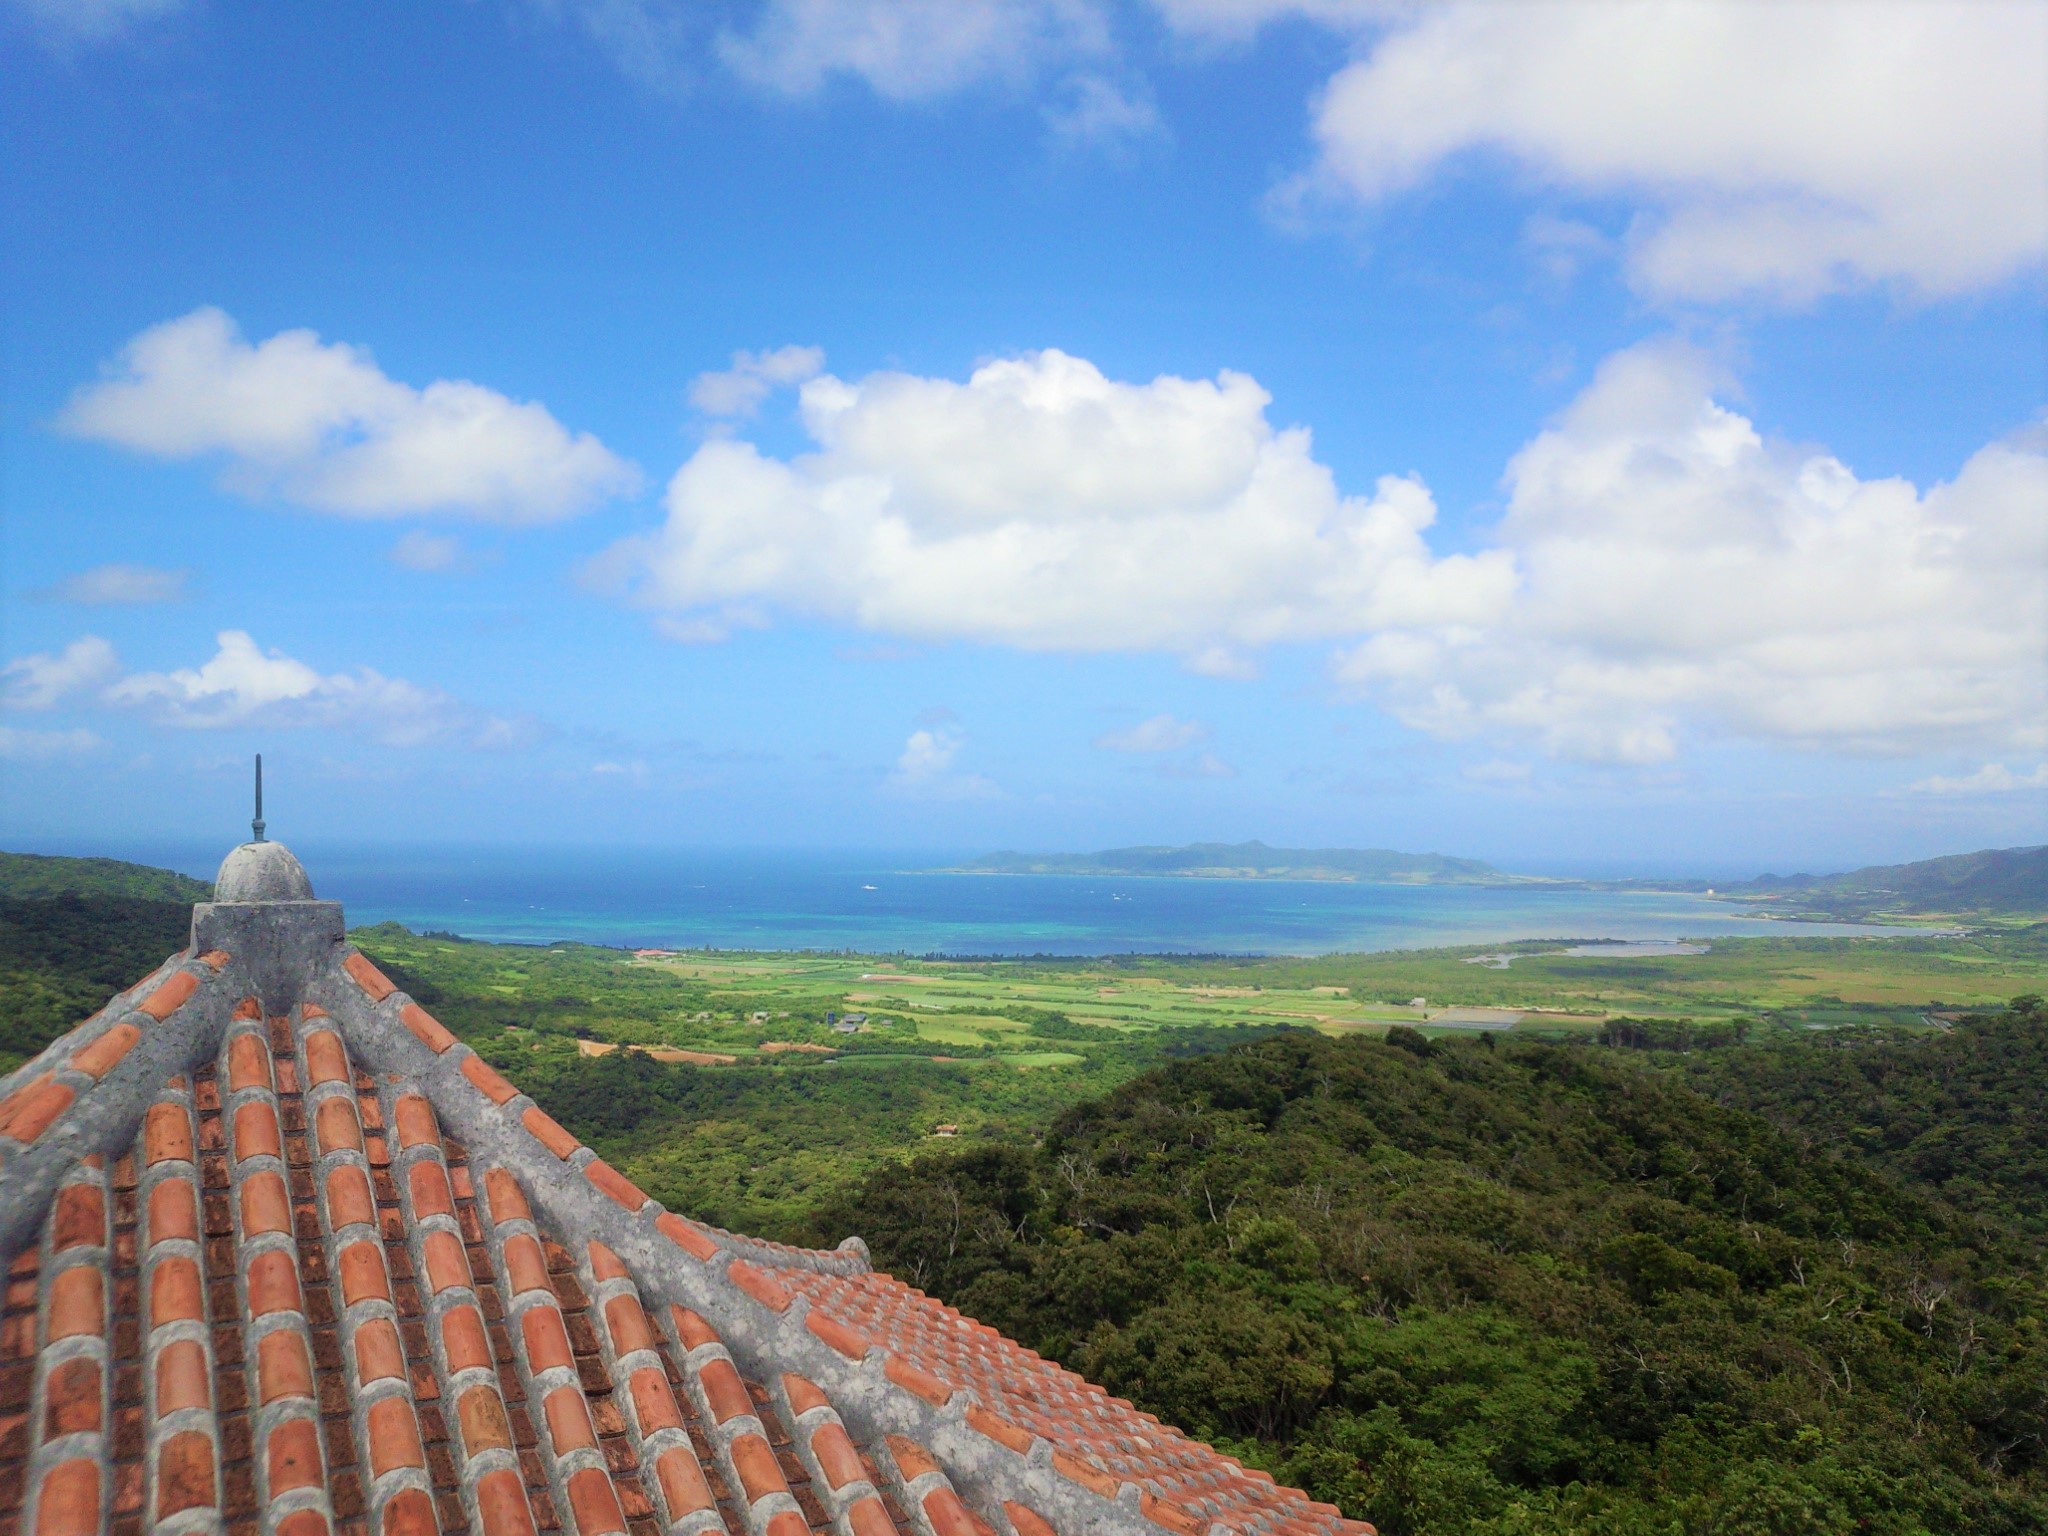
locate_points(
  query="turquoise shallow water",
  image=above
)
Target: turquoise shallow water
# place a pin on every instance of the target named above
(877, 903)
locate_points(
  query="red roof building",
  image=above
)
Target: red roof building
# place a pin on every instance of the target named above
(286, 1258)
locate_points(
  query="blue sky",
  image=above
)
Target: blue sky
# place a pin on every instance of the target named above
(1593, 437)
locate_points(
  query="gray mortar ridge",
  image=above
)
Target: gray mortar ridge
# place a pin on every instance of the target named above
(291, 952)
(106, 1115)
(763, 1342)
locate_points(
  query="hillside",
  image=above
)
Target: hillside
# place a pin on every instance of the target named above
(1961, 1114)
(62, 957)
(1992, 881)
(1475, 1288)
(39, 874)
(75, 931)
(1253, 860)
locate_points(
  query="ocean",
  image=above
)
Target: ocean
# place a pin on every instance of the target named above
(889, 904)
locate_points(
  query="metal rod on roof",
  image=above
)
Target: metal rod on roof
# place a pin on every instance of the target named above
(257, 825)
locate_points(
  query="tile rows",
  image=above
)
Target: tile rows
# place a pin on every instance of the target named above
(337, 1327)
(1098, 1442)
(54, 1082)
(295, 1306)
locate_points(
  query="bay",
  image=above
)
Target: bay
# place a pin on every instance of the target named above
(883, 903)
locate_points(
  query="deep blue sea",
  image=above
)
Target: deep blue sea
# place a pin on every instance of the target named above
(879, 903)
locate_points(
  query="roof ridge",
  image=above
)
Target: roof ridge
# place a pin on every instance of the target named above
(86, 1093)
(970, 1432)
(770, 1327)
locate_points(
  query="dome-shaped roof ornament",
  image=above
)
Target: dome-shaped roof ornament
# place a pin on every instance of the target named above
(261, 870)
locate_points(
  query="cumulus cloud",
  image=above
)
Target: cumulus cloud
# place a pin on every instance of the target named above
(1042, 505)
(1678, 570)
(910, 50)
(25, 746)
(1663, 570)
(321, 425)
(925, 771)
(242, 684)
(119, 585)
(1991, 779)
(1161, 733)
(1785, 149)
(46, 679)
(740, 389)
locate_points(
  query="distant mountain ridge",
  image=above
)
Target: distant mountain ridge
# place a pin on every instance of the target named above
(38, 875)
(1990, 880)
(1254, 861)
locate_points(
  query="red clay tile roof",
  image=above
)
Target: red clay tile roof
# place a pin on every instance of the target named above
(321, 1270)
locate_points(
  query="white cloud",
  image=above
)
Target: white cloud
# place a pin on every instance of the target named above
(21, 746)
(1042, 505)
(909, 50)
(925, 769)
(1161, 733)
(739, 390)
(1236, 20)
(1220, 661)
(1680, 572)
(244, 685)
(321, 425)
(43, 680)
(428, 552)
(1093, 110)
(1664, 571)
(240, 681)
(1785, 149)
(1991, 779)
(119, 584)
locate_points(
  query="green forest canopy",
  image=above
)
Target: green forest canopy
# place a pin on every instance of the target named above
(39, 874)
(1462, 1287)
(1489, 1287)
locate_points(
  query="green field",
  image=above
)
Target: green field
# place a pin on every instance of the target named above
(1737, 1243)
(997, 1050)
(713, 997)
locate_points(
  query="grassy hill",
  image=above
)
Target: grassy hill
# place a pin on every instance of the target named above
(75, 931)
(62, 957)
(1253, 860)
(1475, 1288)
(1991, 881)
(39, 874)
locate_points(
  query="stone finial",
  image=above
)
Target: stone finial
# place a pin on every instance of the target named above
(261, 872)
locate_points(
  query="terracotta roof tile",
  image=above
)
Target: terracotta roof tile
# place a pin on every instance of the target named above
(274, 1309)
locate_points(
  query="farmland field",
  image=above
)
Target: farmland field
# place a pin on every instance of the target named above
(772, 1107)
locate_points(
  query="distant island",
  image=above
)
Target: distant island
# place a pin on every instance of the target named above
(1252, 861)
(1992, 881)
(2001, 881)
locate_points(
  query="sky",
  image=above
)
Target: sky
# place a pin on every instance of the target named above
(1590, 437)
